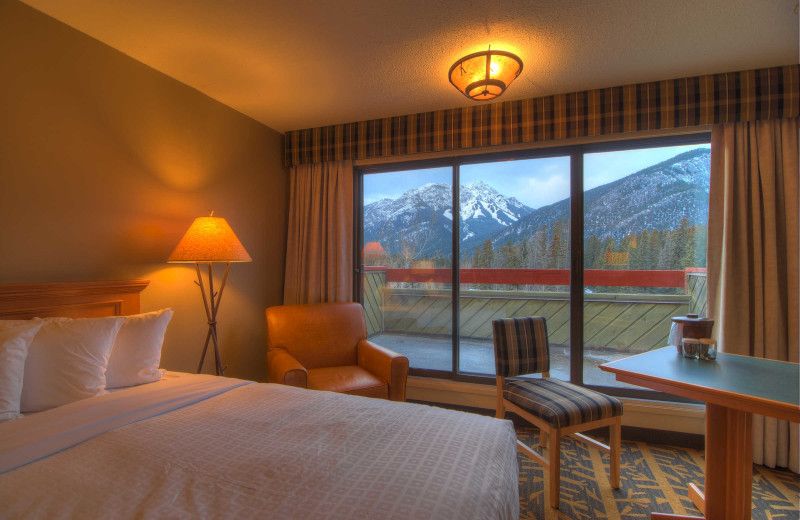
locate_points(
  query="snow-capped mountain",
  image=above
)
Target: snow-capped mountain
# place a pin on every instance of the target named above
(484, 211)
(420, 222)
(657, 197)
(422, 219)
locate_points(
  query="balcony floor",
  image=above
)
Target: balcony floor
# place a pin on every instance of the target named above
(477, 356)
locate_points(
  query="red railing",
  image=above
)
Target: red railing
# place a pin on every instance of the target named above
(594, 277)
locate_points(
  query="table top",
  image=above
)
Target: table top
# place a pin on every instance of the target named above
(754, 385)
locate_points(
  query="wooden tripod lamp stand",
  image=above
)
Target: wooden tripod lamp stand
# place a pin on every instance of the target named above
(210, 240)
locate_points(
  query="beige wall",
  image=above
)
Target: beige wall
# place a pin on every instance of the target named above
(104, 163)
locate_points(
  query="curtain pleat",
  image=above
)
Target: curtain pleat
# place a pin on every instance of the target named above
(753, 269)
(319, 246)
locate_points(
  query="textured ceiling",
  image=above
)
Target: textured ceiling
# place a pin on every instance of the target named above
(295, 64)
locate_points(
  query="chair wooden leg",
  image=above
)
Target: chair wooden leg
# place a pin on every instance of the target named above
(615, 443)
(555, 468)
(544, 438)
(500, 412)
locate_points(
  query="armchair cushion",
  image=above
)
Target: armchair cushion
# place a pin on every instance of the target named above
(349, 379)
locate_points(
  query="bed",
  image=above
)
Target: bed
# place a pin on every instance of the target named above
(200, 446)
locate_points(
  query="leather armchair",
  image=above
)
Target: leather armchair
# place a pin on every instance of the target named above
(324, 346)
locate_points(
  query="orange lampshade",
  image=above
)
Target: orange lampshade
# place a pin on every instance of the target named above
(484, 75)
(209, 239)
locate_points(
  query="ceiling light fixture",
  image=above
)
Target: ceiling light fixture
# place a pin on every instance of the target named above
(484, 75)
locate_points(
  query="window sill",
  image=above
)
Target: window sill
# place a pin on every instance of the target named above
(642, 413)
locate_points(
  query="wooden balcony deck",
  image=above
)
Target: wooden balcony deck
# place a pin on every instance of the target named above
(619, 323)
(477, 356)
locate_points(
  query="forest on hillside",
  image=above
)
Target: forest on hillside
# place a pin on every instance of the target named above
(548, 248)
(656, 249)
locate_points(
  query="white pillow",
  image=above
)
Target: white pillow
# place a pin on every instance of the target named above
(136, 353)
(15, 338)
(67, 361)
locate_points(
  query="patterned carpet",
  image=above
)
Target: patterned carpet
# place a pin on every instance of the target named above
(654, 479)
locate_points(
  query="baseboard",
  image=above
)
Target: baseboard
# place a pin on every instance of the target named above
(639, 413)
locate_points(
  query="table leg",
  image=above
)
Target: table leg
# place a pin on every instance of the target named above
(729, 463)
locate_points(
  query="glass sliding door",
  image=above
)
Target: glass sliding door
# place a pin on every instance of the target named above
(514, 255)
(634, 213)
(406, 264)
(645, 229)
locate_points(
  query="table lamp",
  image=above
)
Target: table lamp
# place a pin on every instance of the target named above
(210, 240)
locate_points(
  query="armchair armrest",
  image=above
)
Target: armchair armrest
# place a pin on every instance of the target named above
(284, 369)
(387, 365)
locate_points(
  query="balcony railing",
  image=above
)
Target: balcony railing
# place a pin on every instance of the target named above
(410, 301)
(592, 277)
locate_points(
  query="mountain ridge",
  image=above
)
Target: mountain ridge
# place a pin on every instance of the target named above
(656, 197)
(419, 222)
(423, 217)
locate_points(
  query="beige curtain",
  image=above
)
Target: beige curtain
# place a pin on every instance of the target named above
(753, 257)
(319, 249)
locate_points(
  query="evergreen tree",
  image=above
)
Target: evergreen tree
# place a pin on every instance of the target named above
(592, 251)
(564, 260)
(640, 252)
(486, 256)
(523, 252)
(476, 258)
(508, 256)
(555, 251)
(657, 241)
(486, 259)
(689, 254)
(682, 246)
(539, 254)
(667, 255)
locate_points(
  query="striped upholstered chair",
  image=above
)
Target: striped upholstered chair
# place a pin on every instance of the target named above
(558, 408)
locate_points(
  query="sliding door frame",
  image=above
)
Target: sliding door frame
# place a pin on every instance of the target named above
(358, 223)
(576, 289)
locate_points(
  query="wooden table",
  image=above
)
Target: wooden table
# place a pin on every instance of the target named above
(733, 388)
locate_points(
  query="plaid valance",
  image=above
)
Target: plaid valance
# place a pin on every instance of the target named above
(751, 95)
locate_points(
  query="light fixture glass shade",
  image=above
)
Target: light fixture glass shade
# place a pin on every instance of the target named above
(209, 239)
(484, 75)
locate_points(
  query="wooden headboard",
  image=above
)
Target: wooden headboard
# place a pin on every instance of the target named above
(70, 299)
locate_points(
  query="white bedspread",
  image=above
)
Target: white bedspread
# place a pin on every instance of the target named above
(256, 451)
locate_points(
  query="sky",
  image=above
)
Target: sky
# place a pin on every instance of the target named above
(534, 182)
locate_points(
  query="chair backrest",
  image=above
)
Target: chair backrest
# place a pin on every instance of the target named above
(520, 346)
(317, 334)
